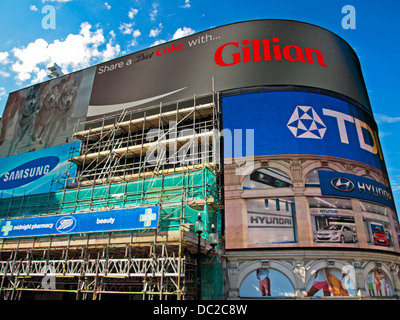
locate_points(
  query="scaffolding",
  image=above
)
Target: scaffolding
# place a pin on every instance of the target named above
(167, 156)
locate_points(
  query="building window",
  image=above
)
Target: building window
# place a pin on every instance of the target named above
(267, 178)
(271, 221)
(377, 285)
(312, 178)
(331, 282)
(264, 283)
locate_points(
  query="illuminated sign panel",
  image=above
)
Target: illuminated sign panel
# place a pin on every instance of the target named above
(254, 53)
(114, 220)
(36, 172)
(352, 186)
(304, 123)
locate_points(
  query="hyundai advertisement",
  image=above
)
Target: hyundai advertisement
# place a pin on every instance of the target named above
(37, 172)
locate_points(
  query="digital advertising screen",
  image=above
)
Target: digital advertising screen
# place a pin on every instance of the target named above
(262, 210)
(36, 172)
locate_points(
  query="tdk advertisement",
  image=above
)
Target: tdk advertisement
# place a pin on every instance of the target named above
(38, 171)
(301, 123)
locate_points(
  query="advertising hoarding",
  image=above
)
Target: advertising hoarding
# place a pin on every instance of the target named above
(303, 123)
(36, 172)
(352, 186)
(44, 115)
(246, 54)
(315, 125)
(124, 219)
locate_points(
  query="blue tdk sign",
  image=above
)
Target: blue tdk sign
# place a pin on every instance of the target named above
(286, 123)
(352, 186)
(114, 220)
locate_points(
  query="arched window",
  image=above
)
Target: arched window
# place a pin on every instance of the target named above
(267, 178)
(377, 285)
(312, 179)
(331, 282)
(266, 282)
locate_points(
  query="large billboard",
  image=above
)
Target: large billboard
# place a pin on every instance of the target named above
(36, 172)
(113, 220)
(44, 115)
(261, 207)
(240, 55)
(303, 123)
(246, 54)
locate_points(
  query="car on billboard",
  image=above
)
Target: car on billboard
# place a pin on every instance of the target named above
(380, 236)
(336, 233)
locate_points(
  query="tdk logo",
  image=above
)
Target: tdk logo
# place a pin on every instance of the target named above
(28, 172)
(307, 124)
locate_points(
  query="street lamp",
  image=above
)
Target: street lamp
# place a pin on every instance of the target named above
(213, 238)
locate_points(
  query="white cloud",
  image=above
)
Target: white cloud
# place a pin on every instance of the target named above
(158, 42)
(182, 32)
(155, 32)
(108, 7)
(154, 12)
(33, 7)
(381, 118)
(4, 74)
(110, 52)
(126, 28)
(132, 13)
(135, 35)
(77, 51)
(2, 92)
(187, 4)
(4, 57)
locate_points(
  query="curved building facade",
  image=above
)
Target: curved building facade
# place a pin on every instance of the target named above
(262, 129)
(308, 205)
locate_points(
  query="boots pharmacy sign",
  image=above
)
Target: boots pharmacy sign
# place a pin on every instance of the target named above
(114, 220)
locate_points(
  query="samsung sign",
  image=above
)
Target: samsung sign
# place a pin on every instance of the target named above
(352, 186)
(115, 220)
(36, 172)
(28, 172)
(302, 123)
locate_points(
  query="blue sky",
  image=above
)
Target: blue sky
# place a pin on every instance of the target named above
(100, 30)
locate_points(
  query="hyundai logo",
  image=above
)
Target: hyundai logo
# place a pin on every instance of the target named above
(342, 184)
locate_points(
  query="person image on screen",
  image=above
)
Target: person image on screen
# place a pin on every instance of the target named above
(370, 284)
(264, 282)
(377, 281)
(320, 282)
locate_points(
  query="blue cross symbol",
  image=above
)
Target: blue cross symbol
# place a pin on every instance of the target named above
(6, 228)
(147, 217)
